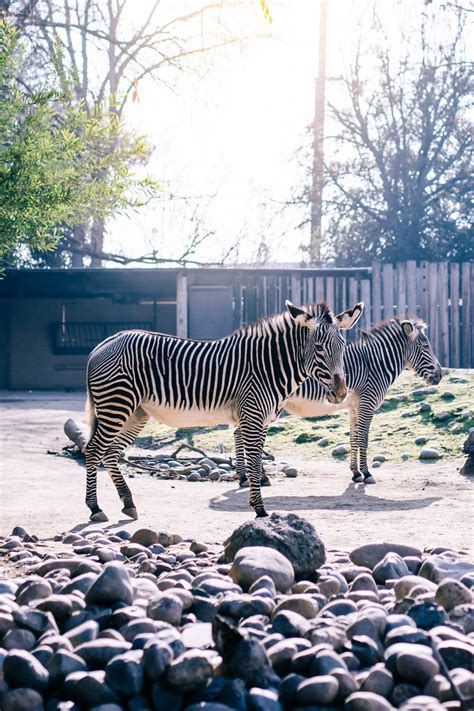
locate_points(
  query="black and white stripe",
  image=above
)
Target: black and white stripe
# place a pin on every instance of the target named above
(371, 365)
(243, 379)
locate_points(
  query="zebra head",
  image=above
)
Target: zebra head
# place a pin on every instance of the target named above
(421, 357)
(324, 344)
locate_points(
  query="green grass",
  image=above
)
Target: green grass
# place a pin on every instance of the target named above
(393, 432)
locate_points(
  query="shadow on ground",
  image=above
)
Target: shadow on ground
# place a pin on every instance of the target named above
(355, 497)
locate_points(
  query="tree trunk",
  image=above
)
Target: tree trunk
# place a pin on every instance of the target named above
(97, 240)
(79, 238)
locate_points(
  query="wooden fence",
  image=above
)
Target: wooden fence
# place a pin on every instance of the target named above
(440, 293)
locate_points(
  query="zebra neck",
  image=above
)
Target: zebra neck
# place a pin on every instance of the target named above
(385, 352)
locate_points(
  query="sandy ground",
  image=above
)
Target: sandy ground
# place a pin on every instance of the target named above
(422, 504)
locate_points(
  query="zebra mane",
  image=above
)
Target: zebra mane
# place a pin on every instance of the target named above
(389, 324)
(320, 311)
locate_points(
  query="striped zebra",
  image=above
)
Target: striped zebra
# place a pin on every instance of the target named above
(243, 379)
(371, 365)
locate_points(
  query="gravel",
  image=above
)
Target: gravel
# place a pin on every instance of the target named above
(174, 625)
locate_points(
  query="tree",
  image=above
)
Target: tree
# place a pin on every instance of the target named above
(399, 184)
(111, 46)
(56, 167)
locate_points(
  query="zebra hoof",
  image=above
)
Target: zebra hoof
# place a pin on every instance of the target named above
(261, 514)
(98, 516)
(132, 512)
(244, 483)
(369, 479)
(357, 477)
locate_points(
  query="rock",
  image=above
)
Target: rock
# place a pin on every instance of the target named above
(19, 639)
(376, 464)
(198, 547)
(291, 472)
(251, 562)
(291, 535)
(370, 554)
(448, 395)
(85, 632)
(111, 585)
(88, 689)
(264, 700)
(99, 652)
(379, 681)
(365, 649)
(402, 693)
(22, 670)
(190, 671)
(442, 416)
(425, 407)
(194, 476)
(63, 663)
(323, 442)
(417, 669)
(23, 700)
(145, 537)
(367, 701)
(290, 624)
(197, 635)
(33, 590)
(317, 691)
(124, 674)
(427, 614)
(340, 450)
(304, 605)
(438, 567)
(157, 656)
(451, 593)
(404, 456)
(429, 453)
(391, 566)
(421, 440)
(457, 654)
(166, 608)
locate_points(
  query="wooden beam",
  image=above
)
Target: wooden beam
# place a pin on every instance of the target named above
(182, 305)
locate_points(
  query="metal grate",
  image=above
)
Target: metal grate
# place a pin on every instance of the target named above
(79, 337)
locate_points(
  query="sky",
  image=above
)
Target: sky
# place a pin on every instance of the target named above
(231, 129)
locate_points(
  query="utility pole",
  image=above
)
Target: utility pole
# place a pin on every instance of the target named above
(318, 143)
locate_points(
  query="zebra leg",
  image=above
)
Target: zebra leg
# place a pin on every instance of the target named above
(110, 460)
(357, 475)
(95, 449)
(240, 460)
(365, 418)
(253, 437)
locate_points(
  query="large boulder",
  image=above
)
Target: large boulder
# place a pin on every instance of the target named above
(291, 535)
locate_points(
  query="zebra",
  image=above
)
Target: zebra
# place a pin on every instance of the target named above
(243, 379)
(371, 365)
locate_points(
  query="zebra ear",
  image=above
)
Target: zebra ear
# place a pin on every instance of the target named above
(347, 319)
(409, 329)
(300, 315)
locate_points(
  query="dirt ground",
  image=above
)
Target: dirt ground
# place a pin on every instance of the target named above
(422, 504)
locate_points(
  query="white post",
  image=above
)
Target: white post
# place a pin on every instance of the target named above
(182, 305)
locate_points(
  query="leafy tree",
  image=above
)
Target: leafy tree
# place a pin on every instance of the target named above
(398, 182)
(57, 168)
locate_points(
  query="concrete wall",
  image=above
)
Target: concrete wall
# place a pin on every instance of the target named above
(32, 364)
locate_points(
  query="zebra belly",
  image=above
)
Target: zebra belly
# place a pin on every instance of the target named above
(189, 417)
(304, 407)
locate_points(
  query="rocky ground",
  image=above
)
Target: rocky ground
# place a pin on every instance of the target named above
(106, 620)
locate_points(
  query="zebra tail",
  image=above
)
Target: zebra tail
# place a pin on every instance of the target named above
(91, 416)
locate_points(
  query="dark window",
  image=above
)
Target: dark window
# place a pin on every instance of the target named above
(76, 337)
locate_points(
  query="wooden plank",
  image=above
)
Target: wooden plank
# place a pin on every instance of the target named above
(401, 289)
(376, 293)
(308, 290)
(443, 313)
(295, 288)
(319, 289)
(181, 305)
(366, 320)
(237, 303)
(251, 300)
(467, 316)
(454, 330)
(330, 292)
(272, 306)
(353, 292)
(261, 283)
(387, 291)
(283, 292)
(433, 306)
(425, 292)
(411, 288)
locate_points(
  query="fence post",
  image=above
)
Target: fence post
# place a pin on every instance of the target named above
(425, 291)
(466, 316)
(402, 290)
(182, 305)
(387, 287)
(365, 297)
(454, 330)
(295, 288)
(330, 292)
(411, 288)
(376, 293)
(433, 306)
(443, 311)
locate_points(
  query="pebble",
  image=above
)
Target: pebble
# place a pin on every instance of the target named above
(452, 592)
(429, 453)
(317, 691)
(252, 562)
(22, 670)
(166, 608)
(340, 450)
(367, 701)
(391, 566)
(190, 671)
(111, 585)
(291, 472)
(370, 554)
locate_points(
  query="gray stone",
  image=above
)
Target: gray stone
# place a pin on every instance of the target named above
(290, 624)
(379, 681)
(291, 472)
(22, 670)
(190, 671)
(457, 654)
(452, 592)
(291, 535)
(420, 441)
(340, 450)
(439, 567)
(429, 453)
(88, 689)
(124, 674)
(33, 590)
(370, 554)
(85, 632)
(367, 701)
(157, 656)
(264, 700)
(98, 653)
(23, 700)
(145, 537)
(166, 608)
(323, 442)
(304, 605)
(390, 567)
(317, 691)
(251, 562)
(112, 585)
(63, 663)
(415, 668)
(198, 547)
(19, 639)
